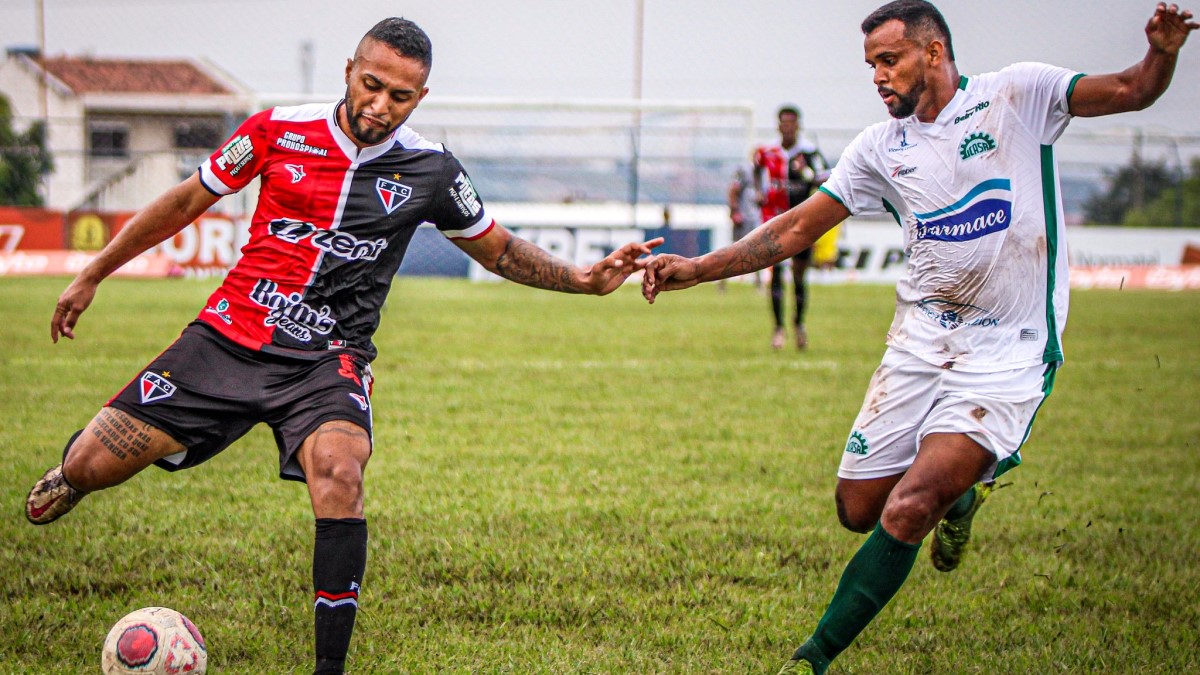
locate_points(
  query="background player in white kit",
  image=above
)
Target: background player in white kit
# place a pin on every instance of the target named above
(967, 168)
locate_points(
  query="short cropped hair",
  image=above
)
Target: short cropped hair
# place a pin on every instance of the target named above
(916, 15)
(405, 37)
(788, 110)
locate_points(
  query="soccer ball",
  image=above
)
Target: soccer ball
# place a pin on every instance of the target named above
(154, 641)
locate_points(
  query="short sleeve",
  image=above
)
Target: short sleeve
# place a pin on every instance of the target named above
(239, 159)
(855, 182)
(457, 211)
(1042, 97)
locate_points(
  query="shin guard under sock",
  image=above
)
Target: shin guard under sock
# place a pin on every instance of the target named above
(872, 578)
(339, 561)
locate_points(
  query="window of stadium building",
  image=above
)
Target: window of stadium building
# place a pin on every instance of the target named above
(198, 134)
(108, 140)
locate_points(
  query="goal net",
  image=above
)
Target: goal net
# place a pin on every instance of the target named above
(581, 177)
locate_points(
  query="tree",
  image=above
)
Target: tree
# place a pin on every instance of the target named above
(1130, 187)
(23, 160)
(1178, 206)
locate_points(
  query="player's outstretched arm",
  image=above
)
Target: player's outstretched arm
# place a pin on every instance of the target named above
(517, 260)
(772, 242)
(160, 219)
(1140, 85)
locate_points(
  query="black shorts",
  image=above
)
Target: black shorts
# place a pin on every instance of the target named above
(206, 392)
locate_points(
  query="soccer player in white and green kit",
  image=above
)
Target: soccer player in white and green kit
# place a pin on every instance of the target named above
(966, 167)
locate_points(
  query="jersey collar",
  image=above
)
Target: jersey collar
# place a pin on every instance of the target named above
(347, 146)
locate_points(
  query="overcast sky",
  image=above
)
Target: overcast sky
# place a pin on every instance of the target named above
(763, 52)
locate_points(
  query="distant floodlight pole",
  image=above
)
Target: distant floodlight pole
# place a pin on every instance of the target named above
(43, 103)
(43, 97)
(638, 41)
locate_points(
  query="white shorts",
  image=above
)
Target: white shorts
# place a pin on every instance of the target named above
(910, 398)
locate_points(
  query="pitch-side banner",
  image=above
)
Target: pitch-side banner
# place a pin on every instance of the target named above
(70, 263)
(868, 251)
(1100, 257)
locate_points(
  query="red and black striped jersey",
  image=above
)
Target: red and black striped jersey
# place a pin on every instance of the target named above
(331, 227)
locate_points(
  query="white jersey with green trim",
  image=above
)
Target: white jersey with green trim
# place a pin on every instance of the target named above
(976, 191)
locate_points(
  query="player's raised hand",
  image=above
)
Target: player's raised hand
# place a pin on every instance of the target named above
(607, 275)
(1169, 28)
(71, 304)
(668, 273)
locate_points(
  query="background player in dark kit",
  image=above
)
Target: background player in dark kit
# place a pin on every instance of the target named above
(785, 175)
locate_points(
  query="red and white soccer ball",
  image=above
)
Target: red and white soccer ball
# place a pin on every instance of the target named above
(154, 641)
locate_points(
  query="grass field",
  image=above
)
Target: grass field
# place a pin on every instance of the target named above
(579, 485)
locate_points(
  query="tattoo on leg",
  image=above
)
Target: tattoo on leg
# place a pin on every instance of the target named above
(121, 435)
(527, 264)
(355, 432)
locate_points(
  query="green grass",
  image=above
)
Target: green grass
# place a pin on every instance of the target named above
(581, 485)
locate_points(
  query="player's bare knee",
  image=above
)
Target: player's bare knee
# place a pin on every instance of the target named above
(82, 468)
(911, 515)
(855, 521)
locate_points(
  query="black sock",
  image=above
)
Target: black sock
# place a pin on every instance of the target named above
(66, 449)
(339, 560)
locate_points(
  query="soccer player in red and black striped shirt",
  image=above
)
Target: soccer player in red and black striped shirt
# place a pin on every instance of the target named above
(286, 339)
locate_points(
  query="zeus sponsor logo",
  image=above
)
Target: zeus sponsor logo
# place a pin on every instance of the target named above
(986, 209)
(340, 244)
(464, 195)
(290, 313)
(235, 155)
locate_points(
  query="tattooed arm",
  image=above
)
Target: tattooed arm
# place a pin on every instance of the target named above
(774, 241)
(518, 260)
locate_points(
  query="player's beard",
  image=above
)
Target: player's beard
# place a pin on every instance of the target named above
(905, 105)
(365, 134)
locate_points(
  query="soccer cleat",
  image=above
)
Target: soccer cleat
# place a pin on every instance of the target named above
(801, 338)
(51, 498)
(778, 339)
(798, 666)
(950, 537)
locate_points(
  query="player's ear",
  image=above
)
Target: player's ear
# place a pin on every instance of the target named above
(424, 91)
(935, 52)
(349, 67)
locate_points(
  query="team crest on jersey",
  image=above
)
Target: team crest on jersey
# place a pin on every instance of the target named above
(976, 144)
(986, 209)
(392, 194)
(297, 171)
(155, 387)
